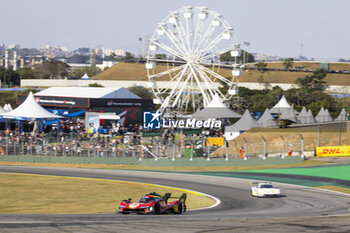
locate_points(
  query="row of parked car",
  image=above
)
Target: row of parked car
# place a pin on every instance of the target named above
(299, 69)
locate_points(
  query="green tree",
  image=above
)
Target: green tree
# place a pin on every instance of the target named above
(128, 57)
(142, 92)
(288, 63)
(161, 56)
(9, 78)
(51, 69)
(261, 66)
(26, 73)
(247, 57)
(95, 85)
(77, 58)
(314, 81)
(91, 71)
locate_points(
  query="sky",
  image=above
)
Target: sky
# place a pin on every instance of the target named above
(273, 27)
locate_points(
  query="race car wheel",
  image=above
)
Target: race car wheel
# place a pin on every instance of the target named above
(157, 208)
(179, 209)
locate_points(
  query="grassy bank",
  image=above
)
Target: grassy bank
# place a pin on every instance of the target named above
(137, 72)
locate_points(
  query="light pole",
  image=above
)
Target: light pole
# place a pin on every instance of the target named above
(246, 43)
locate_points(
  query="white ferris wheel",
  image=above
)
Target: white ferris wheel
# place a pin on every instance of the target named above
(183, 60)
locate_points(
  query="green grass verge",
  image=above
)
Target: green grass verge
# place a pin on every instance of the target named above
(336, 172)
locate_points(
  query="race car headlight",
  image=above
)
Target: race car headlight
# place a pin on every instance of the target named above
(150, 208)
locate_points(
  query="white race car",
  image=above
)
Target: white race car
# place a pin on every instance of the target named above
(264, 189)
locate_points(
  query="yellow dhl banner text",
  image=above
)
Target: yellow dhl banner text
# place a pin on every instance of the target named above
(216, 142)
(331, 151)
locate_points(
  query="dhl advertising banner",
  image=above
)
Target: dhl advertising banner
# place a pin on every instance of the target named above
(216, 142)
(331, 151)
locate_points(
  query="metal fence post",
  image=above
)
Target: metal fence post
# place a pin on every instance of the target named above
(7, 145)
(191, 158)
(208, 147)
(245, 148)
(302, 145)
(282, 146)
(265, 149)
(174, 151)
(236, 150)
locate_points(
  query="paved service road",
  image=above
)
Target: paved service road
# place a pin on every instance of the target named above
(301, 209)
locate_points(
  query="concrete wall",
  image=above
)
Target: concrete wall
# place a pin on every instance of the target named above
(161, 84)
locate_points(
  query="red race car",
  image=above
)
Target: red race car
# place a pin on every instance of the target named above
(154, 203)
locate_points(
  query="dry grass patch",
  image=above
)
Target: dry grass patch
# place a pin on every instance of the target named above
(38, 194)
(137, 72)
(335, 188)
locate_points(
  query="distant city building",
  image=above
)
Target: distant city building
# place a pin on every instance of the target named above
(98, 51)
(119, 52)
(108, 52)
(14, 46)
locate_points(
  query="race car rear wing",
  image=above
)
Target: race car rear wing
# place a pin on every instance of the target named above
(166, 197)
(182, 198)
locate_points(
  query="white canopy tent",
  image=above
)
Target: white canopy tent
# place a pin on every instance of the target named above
(31, 110)
(302, 116)
(216, 109)
(245, 123)
(282, 106)
(2, 110)
(267, 120)
(288, 115)
(309, 117)
(323, 116)
(341, 116)
(7, 107)
(85, 77)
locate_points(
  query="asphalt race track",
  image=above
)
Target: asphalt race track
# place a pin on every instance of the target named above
(300, 209)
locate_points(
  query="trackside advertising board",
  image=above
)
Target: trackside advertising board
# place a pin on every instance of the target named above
(332, 151)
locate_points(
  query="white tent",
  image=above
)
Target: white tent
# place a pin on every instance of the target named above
(245, 123)
(88, 92)
(309, 117)
(289, 115)
(302, 116)
(281, 106)
(2, 110)
(216, 109)
(323, 116)
(85, 77)
(341, 116)
(267, 120)
(30, 109)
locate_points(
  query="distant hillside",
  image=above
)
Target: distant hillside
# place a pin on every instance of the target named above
(311, 65)
(135, 71)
